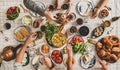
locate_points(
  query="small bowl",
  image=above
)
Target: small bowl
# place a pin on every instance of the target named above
(36, 24)
(103, 13)
(27, 20)
(61, 55)
(43, 28)
(79, 21)
(84, 31)
(65, 6)
(45, 54)
(13, 12)
(106, 23)
(7, 25)
(71, 16)
(39, 34)
(73, 29)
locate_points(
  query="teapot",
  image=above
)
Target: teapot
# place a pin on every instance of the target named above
(9, 53)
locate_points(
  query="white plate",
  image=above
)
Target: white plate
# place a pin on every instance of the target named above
(88, 64)
(84, 7)
(17, 29)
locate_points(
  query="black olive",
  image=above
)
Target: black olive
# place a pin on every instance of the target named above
(7, 25)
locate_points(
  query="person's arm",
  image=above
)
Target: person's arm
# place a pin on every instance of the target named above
(69, 50)
(102, 4)
(99, 7)
(20, 55)
(68, 10)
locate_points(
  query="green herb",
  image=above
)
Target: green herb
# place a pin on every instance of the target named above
(50, 30)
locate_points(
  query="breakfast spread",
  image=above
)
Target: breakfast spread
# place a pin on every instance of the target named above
(51, 25)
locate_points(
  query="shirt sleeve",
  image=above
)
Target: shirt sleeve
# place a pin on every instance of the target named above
(18, 66)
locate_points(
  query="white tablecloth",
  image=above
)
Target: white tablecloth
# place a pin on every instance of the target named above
(92, 23)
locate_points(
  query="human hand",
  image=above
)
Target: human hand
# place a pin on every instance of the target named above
(31, 37)
(69, 50)
(47, 62)
(95, 13)
(103, 64)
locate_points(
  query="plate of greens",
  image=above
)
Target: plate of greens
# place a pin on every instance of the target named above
(78, 45)
(13, 12)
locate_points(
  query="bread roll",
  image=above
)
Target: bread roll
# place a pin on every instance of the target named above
(102, 53)
(115, 49)
(113, 58)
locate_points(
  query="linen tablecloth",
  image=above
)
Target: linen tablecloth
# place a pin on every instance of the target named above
(92, 23)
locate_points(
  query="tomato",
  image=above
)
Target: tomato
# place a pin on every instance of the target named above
(59, 60)
(53, 57)
(71, 42)
(9, 11)
(81, 40)
(74, 38)
(55, 52)
(57, 55)
(58, 52)
(12, 8)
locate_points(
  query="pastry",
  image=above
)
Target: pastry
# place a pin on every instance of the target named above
(116, 50)
(108, 48)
